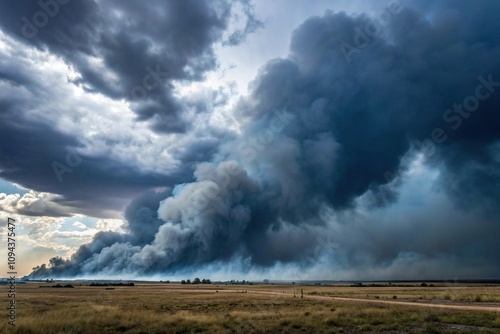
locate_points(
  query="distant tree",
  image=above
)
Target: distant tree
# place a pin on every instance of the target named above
(196, 281)
(266, 281)
(208, 281)
(203, 281)
(188, 281)
(183, 282)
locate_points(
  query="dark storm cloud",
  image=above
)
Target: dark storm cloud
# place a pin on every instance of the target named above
(364, 116)
(126, 50)
(348, 126)
(35, 154)
(143, 46)
(370, 113)
(96, 186)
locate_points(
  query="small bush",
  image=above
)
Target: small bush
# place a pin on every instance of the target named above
(332, 322)
(63, 286)
(432, 318)
(285, 323)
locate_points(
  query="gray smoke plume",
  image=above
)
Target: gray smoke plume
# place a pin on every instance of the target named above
(320, 132)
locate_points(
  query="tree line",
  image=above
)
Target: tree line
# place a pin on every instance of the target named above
(196, 281)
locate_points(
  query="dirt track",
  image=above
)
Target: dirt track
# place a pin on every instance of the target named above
(375, 301)
(378, 301)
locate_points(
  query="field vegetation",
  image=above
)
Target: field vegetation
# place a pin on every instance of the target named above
(257, 308)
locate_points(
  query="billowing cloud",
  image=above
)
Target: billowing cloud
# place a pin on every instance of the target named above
(42, 237)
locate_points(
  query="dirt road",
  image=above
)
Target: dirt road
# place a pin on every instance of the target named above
(393, 302)
(477, 307)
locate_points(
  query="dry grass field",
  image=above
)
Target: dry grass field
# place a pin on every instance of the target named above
(175, 308)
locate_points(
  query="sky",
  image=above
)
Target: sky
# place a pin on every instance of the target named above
(240, 139)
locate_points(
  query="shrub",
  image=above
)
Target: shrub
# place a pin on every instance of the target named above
(432, 318)
(63, 286)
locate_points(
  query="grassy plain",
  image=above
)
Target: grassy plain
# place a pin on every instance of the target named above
(220, 308)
